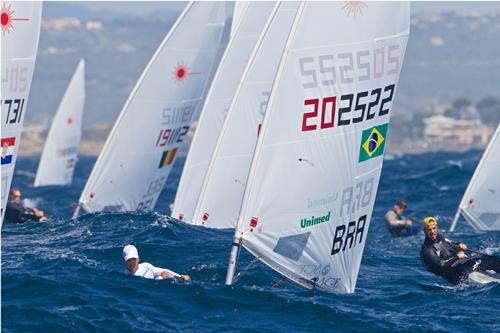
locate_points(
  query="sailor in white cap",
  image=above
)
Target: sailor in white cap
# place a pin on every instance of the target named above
(146, 270)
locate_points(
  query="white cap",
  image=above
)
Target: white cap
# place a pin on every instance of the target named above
(130, 251)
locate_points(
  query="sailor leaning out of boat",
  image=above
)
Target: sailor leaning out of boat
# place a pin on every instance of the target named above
(447, 258)
(146, 270)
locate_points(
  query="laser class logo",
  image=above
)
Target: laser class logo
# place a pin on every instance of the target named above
(181, 72)
(8, 145)
(372, 142)
(7, 18)
(354, 8)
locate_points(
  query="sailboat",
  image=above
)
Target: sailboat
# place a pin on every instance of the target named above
(222, 192)
(20, 33)
(60, 152)
(251, 22)
(310, 192)
(480, 203)
(142, 146)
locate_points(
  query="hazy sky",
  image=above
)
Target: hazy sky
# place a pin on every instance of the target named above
(143, 7)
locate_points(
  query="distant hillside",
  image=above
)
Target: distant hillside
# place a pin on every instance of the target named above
(449, 55)
(116, 49)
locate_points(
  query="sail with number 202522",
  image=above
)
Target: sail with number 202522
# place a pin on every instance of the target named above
(315, 172)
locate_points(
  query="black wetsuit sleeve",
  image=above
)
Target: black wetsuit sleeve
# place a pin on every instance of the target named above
(29, 214)
(19, 214)
(434, 261)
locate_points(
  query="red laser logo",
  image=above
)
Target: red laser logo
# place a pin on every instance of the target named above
(354, 7)
(7, 19)
(181, 72)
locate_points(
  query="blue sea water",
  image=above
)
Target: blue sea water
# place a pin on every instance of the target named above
(67, 275)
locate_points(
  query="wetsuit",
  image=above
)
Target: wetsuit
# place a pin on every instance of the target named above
(17, 213)
(397, 224)
(440, 257)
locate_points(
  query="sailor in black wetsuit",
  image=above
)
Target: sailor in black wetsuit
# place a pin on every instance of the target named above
(15, 212)
(447, 259)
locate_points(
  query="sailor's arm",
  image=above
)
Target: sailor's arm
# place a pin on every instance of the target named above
(435, 260)
(168, 274)
(38, 213)
(460, 246)
(28, 214)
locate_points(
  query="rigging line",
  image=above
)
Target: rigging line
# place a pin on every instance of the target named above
(250, 265)
(278, 283)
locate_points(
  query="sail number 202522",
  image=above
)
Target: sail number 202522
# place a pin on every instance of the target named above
(353, 108)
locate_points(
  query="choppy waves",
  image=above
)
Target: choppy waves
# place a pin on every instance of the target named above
(67, 275)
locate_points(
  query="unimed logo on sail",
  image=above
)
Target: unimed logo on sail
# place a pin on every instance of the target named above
(305, 223)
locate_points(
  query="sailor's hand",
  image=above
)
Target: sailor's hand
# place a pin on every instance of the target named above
(186, 278)
(461, 255)
(39, 213)
(408, 223)
(462, 246)
(166, 275)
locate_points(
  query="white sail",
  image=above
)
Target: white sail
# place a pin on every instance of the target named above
(240, 8)
(314, 176)
(60, 152)
(19, 43)
(142, 146)
(217, 103)
(480, 205)
(222, 193)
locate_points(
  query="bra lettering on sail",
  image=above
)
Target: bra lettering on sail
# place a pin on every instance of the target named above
(354, 235)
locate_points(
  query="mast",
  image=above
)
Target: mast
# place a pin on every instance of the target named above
(455, 220)
(233, 257)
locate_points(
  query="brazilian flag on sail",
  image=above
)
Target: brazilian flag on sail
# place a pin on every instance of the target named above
(373, 142)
